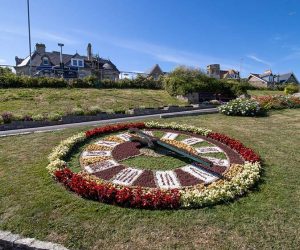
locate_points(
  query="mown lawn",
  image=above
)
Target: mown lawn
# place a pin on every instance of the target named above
(43, 100)
(32, 204)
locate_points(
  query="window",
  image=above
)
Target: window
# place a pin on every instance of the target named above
(45, 61)
(77, 63)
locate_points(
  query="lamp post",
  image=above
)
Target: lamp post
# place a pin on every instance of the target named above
(29, 36)
(61, 59)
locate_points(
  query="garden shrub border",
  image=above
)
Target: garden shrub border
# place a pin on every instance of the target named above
(66, 119)
(150, 198)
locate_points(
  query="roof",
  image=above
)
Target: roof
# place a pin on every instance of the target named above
(54, 57)
(285, 77)
(153, 69)
(256, 76)
(282, 77)
(229, 72)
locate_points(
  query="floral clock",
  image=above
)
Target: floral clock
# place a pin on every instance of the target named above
(156, 166)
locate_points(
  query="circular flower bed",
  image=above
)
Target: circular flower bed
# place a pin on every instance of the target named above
(105, 179)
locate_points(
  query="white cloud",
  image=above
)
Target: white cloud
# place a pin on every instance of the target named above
(257, 59)
(162, 53)
(36, 34)
(2, 60)
(292, 13)
(56, 37)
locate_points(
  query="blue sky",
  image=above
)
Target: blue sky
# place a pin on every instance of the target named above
(137, 34)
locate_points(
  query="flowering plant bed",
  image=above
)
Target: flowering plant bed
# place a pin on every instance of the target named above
(105, 177)
(241, 107)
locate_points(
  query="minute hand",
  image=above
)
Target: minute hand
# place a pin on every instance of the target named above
(184, 153)
(154, 140)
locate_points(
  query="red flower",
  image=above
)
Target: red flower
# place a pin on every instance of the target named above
(124, 196)
(247, 153)
(113, 128)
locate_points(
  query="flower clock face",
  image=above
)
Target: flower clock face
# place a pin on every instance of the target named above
(156, 166)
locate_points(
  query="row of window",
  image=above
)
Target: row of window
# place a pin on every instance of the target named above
(74, 62)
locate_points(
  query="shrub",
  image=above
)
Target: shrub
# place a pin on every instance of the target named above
(183, 80)
(241, 107)
(14, 81)
(27, 118)
(120, 111)
(278, 101)
(77, 111)
(1, 120)
(291, 89)
(38, 117)
(93, 110)
(54, 116)
(7, 117)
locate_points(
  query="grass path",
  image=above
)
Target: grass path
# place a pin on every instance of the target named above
(33, 205)
(43, 100)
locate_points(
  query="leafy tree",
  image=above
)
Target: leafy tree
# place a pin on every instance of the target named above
(5, 71)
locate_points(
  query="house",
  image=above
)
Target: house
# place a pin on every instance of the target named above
(268, 79)
(213, 70)
(45, 63)
(155, 72)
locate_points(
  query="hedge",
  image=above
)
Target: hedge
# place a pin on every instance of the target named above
(14, 81)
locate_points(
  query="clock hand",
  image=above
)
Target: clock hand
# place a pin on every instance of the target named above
(152, 141)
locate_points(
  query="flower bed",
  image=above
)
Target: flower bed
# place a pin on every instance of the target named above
(235, 182)
(241, 107)
(269, 102)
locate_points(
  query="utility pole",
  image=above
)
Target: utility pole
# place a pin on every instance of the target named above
(61, 59)
(29, 36)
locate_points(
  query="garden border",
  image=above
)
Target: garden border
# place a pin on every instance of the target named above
(68, 119)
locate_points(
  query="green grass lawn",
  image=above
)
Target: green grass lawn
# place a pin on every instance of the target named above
(34, 205)
(43, 100)
(265, 92)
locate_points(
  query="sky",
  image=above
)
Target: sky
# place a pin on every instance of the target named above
(251, 35)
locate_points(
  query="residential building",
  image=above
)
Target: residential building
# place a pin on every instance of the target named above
(155, 72)
(45, 63)
(213, 70)
(268, 79)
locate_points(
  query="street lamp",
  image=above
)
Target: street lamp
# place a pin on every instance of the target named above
(29, 36)
(61, 61)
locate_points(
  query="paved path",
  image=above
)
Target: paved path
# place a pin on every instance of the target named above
(101, 122)
(10, 241)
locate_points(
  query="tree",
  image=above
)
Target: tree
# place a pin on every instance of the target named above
(5, 71)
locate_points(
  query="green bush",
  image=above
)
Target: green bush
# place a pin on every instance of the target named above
(14, 81)
(77, 111)
(38, 117)
(93, 110)
(241, 107)
(291, 89)
(183, 80)
(54, 116)
(7, 117)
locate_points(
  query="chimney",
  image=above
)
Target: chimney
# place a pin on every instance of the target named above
(40, 48)
(89, 51)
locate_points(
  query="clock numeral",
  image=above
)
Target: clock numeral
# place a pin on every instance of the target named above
(101, 166)
(127, 176)
(96, 153)
(170, 136)
(167, 179)
(199, 173)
